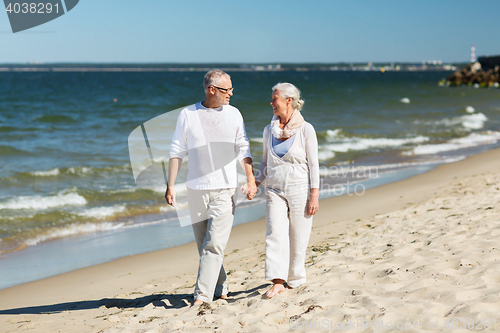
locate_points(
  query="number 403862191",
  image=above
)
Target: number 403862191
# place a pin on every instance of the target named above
(33, 8)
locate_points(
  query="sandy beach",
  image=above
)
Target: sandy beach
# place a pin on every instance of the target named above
(420, 254)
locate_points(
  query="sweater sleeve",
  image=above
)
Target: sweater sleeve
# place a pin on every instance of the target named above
(242, 142)
(178, 147)
(262, 172)
(312, 155)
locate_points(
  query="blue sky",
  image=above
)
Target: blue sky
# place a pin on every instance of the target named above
(273, 31)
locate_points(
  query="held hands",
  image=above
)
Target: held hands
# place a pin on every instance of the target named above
(249, 189)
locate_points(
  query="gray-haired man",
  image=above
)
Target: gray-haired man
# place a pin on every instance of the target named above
(213, 134)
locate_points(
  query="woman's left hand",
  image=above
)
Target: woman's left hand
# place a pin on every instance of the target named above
(313, 204)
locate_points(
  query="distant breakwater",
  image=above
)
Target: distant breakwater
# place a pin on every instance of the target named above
(483, 73)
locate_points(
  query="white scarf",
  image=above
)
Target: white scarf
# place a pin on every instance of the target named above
(291, 127)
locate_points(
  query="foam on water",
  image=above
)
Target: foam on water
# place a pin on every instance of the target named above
(257, 140)
(472, 140)
(81, 171)
(72, 230)
(103, 212)
(343, 145)
(39, 202)
(178, 205)
(49, 173)
(474, 121)
(324, 154)
(180, 188)
(345, 170)
(333, 134)
(469, 122)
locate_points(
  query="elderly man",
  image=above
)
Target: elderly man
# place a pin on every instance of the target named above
(213, 134)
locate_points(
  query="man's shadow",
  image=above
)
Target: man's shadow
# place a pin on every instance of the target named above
(168, 301)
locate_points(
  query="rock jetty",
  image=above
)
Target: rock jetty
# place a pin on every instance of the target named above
(483, 73)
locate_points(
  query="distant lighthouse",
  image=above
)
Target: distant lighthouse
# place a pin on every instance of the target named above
(472, 54)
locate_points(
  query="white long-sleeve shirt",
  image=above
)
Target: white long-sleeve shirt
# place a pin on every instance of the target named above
(213, 139)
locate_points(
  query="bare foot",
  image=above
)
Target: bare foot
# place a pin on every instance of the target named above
(198, 302)
(223, 297)
(276, 289)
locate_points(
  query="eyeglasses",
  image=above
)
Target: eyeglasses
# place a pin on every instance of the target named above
(224, 90)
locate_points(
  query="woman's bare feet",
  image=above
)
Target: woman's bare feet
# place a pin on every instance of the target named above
(198, 302)
(276, 289)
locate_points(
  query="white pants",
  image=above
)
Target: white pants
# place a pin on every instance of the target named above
(214, 209)
(288, 231)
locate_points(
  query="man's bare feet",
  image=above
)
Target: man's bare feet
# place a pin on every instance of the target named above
(198, 302)
(276, 289)
(223, 297)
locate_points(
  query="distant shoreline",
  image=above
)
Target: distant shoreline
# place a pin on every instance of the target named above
(268, 67)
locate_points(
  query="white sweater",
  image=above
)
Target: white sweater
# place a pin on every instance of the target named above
(213, 139)
(300, 164)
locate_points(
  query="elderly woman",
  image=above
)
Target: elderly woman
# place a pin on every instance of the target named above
(291, 170)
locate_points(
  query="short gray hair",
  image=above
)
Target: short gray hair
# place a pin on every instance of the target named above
(289, 90)
(212, 78)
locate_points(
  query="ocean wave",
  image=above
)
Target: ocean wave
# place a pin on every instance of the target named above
(334, 134)
(258, 140)
(39, 202)
(178, 206)
(72, 230)
(80, 171)
(474, 121)
(340, 143)
(180, 188)
(59, 118)
(447, 159)
(469, 122)
(345, 170)
(8, 129)
(103, 212)
(105, 196)
(48, 173)
(84, 170)
(329, 135)
(325, 154)
(9, 150)
(472, 140)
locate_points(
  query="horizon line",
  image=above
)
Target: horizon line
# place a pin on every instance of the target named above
(41, 63)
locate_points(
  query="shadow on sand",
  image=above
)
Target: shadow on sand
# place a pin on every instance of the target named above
(168, 301)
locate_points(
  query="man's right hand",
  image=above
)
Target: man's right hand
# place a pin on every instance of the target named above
(170, 196)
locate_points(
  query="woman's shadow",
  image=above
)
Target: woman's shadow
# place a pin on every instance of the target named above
(168, 301)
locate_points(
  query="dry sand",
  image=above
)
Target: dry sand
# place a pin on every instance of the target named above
(417, 255)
